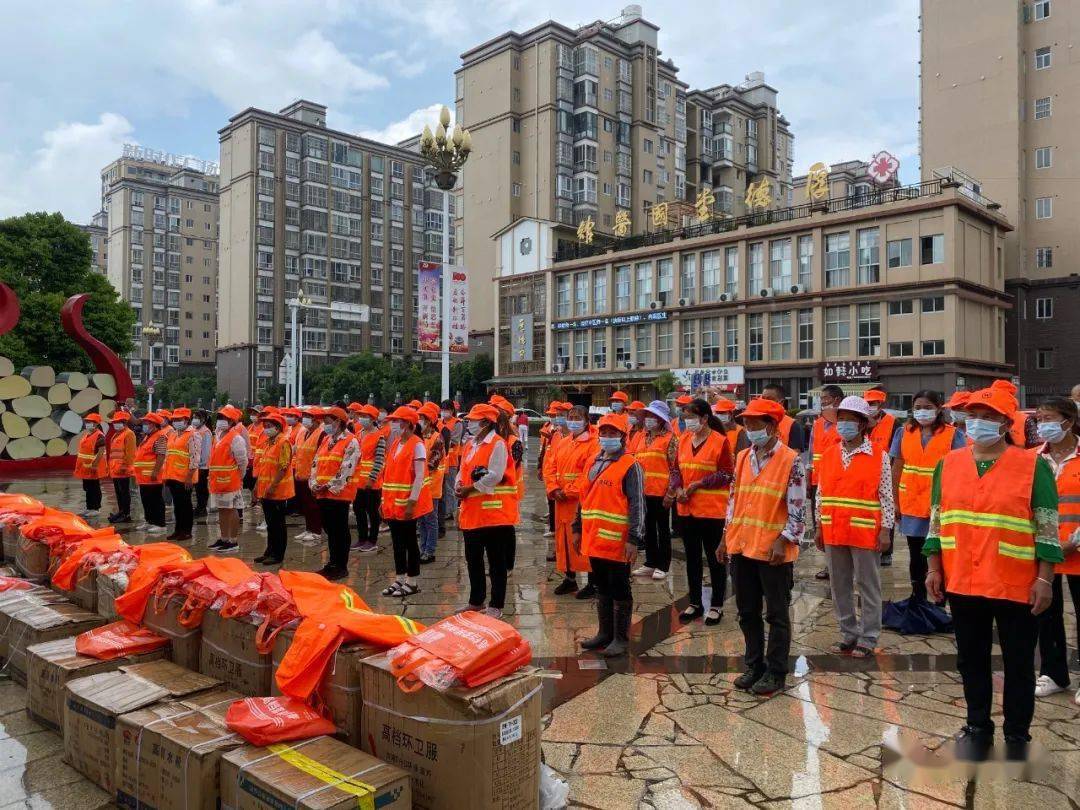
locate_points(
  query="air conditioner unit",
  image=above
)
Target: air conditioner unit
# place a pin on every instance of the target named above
(686, 302)
(656, 305)
(797, 288)
(766, 293)
(628, 366)
(728, 297)
(558, 368)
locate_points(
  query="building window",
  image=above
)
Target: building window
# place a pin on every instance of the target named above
(644, 286)
(780, 336)
(731, 271)
(710, 340)
(731, 342)
(1044, 207)
(933, 348)
(1042, 108)
(1044, 359)
(623, 348)
(665, 281)
(904, 348)
(581, 293)
(837, 331)
(899, 253)
(1044, 309)
(644, 344)
(710, 276)
(869, 330)
(689, 343)
(806, 334)
(1042, 9)
(688, 277)
(562, 296)
(780, 265)
(581, 350)
(599, 292)
(756, 279)
(903, 307)
(622, 288)
(932, 249)
(806, 255)
(869, 270)
(665, 345)
(755, 337)
(646, 177)
(1044, 257)
(1042, 58)
(934, 303)
(515, 189)
(1042, 157)
(599, 348)
(837, 259)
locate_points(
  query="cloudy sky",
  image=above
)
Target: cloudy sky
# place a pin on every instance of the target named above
(79, 79)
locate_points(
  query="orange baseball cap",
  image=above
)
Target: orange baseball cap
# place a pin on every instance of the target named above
(958, 400)
(619, 396)
(120, 416)
(369, 410)
(502, 402)
(273, 418)
(636, 405)
(315, 411)
(354, 407)
(181, 413)
(483, 411)
(565, 406)
(405, 413)
(875, 396)
(684, 399)
(430, 410)
(290, 412)
(415, 404)
(92, 417)
(764, 408)
(337, 413)
(154, 419)
(615, 420)
(230, 412)
(998, 400)
(723, 405)
(553, 407)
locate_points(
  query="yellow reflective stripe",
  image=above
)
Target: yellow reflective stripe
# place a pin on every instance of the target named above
(397, 487)
(915, 470)
(762, 524)
(1016, 552)
(511, 490)
(570, 476)
(816, 456)
(328, 458)
(947, 543)
(711, 492)
(761, 489)
(599, 514)
(856, 503)
(987, 520)
(609, 535)
(865, 523)
(697, 465)
(656, 475)
(826, 519)
(491, 504)
(228, 467)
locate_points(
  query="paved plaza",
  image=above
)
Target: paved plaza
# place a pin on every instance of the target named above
(665, 728)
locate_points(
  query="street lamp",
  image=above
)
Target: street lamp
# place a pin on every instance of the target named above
(445, 156)
(294, 363)
(151, 332)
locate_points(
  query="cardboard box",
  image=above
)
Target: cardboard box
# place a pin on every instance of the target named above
(341, 688)
(170, 754)
(229, 653)
(11, 533)
(85, 593)
(93, 705)
(464, 748)
(184, 642)
(13, 602)
(44, 622)
(51, 664)
(10, 571)
(109, 586)
(32, 558)
(317, 774)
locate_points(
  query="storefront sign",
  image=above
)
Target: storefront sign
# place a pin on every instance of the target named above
(695, 378)
(521, 338)
(613, 320)
(848, 371)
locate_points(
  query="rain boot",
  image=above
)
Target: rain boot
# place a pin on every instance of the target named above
(620, 644)
(605, 617)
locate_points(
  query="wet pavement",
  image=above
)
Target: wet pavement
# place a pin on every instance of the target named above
(665, 728)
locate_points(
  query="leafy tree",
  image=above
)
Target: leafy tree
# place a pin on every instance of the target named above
(363, 374)
(274, 393)
(665, 383)
(191, 390)
(469, 377)
(45, 259)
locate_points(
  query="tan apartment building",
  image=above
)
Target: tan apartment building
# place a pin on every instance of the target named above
(162, 254)
(1000, 95)
(591, 122)
(344, 218)
(904, 286)
(98, 234)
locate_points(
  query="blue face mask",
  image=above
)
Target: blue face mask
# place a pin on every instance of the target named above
(560, 421)
(983, 432)
(610, 444)
(758, 438)
(576, 427)
(847, 430)
(1051, 432)
(925, 416)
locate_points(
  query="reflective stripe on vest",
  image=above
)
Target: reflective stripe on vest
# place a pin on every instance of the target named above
(1068, 484)
(328, 460)
(178, 456)
(224, 475)
(653, 458)
(605, 521)
(85, 464)
(479, 509)
(759, 512)
(398, 476)
(704, 503)
(850, 509)
(277, 454)
(822, 440)
(122, 453)
(919, 464)
(146, 459)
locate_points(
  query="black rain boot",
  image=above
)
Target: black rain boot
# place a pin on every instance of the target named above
(605, 617)
(620, 645)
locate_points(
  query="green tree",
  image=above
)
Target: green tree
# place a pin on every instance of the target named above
(665, 383)
(469, 377)
(45, 259)
(362, 374)
(189, 389)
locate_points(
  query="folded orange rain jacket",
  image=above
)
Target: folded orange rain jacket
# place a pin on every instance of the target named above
(68, 572)
(202, 582)
(153, 557)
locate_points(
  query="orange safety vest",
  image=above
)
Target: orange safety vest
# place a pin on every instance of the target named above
(295, 433)
(478, 509)
(146, 459)
(987, 525)
(784, 429)
(636, 440)
(88, 464)
(305, 452)
(257, 441)
(178, 456)
(398, 477)
(548, 468)
(919, 463)
(369, 443)
(881, 434)
(653, 458)
(1018, 429)
(122, 453)
(276, 455)
(510, 442)
(1068, 485)
(224, 475)
(703, 503)
(822, 440)
(733, 436)
(760, 512)
(605, 512)
(439, 473)
(328, 460)
(573, 457)
(453, 458)
(850, 509)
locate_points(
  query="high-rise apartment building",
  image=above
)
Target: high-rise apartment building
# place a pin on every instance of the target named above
(98, 234)
(1000, 88)
(583, 123)
(161, 254)
(341, 217)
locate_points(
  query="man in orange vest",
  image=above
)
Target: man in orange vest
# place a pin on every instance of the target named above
(228, 465)
(610, 529)
(791, 432)
(92, 463)
(856, 513)
(368, 480)
(823, 436)
(121, 443)
(274, 486)
(405, 498)
(435, 444)
(307, 444)
(764, 528)
(635, 412)
(883, 428)
(181, 467)
(724, 409)
(334, 486)
(149, 462)
(571, 460)
(455, 429)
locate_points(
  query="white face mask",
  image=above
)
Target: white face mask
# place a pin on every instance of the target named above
(474, 426)
(444, 415)
(222, 424)
(365, 422)
(651, 423)
(330, 426)
(179, 424)
(290, 420)
(423, 423)
(272, 431)
(89, 426)
(692, 424)
(307, 421)
(396, 429)
(196, 421)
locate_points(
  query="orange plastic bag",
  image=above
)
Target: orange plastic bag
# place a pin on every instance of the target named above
(269, 720)
(14, 584)
(66, 574)
(16, 503)
(153, 557)
(117, 640)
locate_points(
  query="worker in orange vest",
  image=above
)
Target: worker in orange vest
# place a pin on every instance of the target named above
(764, 528)
(332, 483)
(1057, 428)
(487, 495)
(823, 436)
(274, 485)
(956, 414)
(368, 480)
(181, 469)
(435, 444)
(658, 457)
(883, 429)
(92, 463)
(121, 442)
(791, 432)
(228, 464)
(635, 412)
(992, 547)
(405, 498)
(505, 428)
(549, 435)
(676, 413)
(254, 432)
(611, 529)
(571, 459)
(455, 429)
(619, 402)
(148, 464)
(307, 444)
(205, 441)
(856, 513)
(724, 409)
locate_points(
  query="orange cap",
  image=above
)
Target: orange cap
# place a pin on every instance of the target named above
(483, 411)
(406, 413)
(502, 403)
(723, 405)
(766, 408)
(1004, 385)
(875, 396)
(996, 399)
(415, 404)
(290, 412)
(958, 400)
(565, 406)
(120, 416)
(92, 417)
(315, 411)
(369, 410)
(273, 418)
(615, 420)
(337, 413)
(636, 405)
(684, 399)
(619, 396)
(354, 407)
(430, 410)
(181, 413)
(553, 407)
(154, 419)
(230, 412)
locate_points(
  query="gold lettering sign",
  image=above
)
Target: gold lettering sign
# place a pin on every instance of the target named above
(817, 181)
(660, 215)
(622, 223)
(585, 230)
(759, 194)
(704, 204)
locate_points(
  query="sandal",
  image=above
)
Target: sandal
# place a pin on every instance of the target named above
(713, 616)
(861, 652)
(393, 589)
(407, 590)
(691, 613)
(843, 647)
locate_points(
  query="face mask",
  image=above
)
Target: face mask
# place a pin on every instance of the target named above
(423, 423)
(725, 418)
(651, 423)
(89, 426)
(610, 444)
(560, 421)
(616, 407)
(875, 410)
(307, 421)
(847, 430)
(984, 432)
(475, 426)
(330, 427)
(197, 422)
(366, 423)
(382, 416)
(576, 427)
(395, 429)
(444, 415)
(222, 424)
(272, 431)
(692, 425)
(758, 438)
(289, 420)
(925, 416)
(148, 428)
(1052, 432)
(179, 425)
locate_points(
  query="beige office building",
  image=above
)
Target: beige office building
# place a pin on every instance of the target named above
(570, 124)
(161, 254)
(1000, 87)
(98, 234)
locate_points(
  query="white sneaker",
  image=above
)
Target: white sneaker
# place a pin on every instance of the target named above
(261, 527)
(659, 575)
(644, 571)
(142, 527)
(549, 533)
(156, 530)
(1045, 686)
(1076, 699)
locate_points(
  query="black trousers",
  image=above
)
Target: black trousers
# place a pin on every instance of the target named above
(611, 579)
(754, 582)
(493, 541)
(310, 506)
(551, 515)
(183, 511)
(202, 490)
(511, 549)
(335, 520)
(406, 547)
(276, 539)
(657, 533)
(917, 567)
(122, 488)
(702, 536)
(92, 488)
(974, 618)
(153, 503)
(366, 509)
(1053, 647)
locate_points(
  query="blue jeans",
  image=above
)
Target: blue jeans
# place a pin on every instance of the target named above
(429, 530)
(448, 504)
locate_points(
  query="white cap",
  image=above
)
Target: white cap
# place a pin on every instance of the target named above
(856, 405)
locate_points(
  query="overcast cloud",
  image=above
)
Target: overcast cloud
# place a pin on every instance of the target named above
(78, 79)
